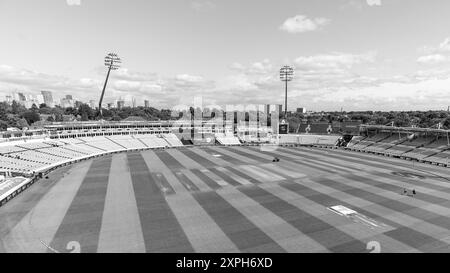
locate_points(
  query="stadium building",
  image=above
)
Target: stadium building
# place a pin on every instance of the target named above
(169, 186)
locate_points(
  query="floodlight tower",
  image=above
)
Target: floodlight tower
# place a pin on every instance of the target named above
(286, 75)
(112, 61)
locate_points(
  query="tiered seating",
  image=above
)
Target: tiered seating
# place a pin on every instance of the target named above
(62, 152)
(55, 143)
(422, 147)
(10, 149)
(71, 140)
(34, 155)
(153, 141)
(127, 141)
(370, 141)
(380, 147)
(355, 140)
(14, 164)
(307, 139)
(327, 140)
(10, 185)
(435, 147)
(173, 140)
(102, 143)
(227, 139)
(442, 157)
(407, 146)
(33, 145)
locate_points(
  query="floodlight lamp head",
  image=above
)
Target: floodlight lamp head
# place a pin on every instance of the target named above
(112, 61)
(286, 73)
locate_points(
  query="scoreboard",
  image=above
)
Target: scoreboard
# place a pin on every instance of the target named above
(283, 127)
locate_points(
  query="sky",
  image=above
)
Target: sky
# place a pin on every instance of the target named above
(351, 54)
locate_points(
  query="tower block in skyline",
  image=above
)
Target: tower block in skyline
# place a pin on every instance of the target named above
(112, 61)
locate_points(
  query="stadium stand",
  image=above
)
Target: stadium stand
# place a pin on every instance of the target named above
(10, 187)
(327, 140)
(307, 139)
(227, 139)
(127, 142)
(410, 146)
(420, 144)
(172, 140)
(437, 145)
(370, 141)
(441, 157)
(379, 144)
(30, 157)
(153, 141)
(27, 157)
(355, 140)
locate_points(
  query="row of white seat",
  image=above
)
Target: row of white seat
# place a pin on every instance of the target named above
(27, 157)
(305, 139)
(424, 149)
(227, 139)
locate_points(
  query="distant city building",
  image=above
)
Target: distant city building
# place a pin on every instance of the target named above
(9, 99)
(65, 103)
(38, 99)
(48, 98)
(146, 104)
(15, 96)
(78, 103)
(69, 97)
(301, 110)
(110, 105)
(120, 104)
(22, 97)
(269, 108)
(92, 104)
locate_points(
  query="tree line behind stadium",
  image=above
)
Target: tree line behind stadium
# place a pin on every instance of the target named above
(17, 116)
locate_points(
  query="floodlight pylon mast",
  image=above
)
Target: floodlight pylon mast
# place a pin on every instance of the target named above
(112, 61)
(285, 99)
(286, 75)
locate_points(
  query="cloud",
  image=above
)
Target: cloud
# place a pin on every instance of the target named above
(300, 23)
(258, 82)
(321, 82)
(352, 4)
(373, 2)
(432, 59)
(202, 5)
(328, 81)
(185, 78)
(237, 66)
(124, 83)
(334, 60)
(424, 95)
(126, 74)
(73, 2)
(435, 55)
(127, 86)
(443, 47)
